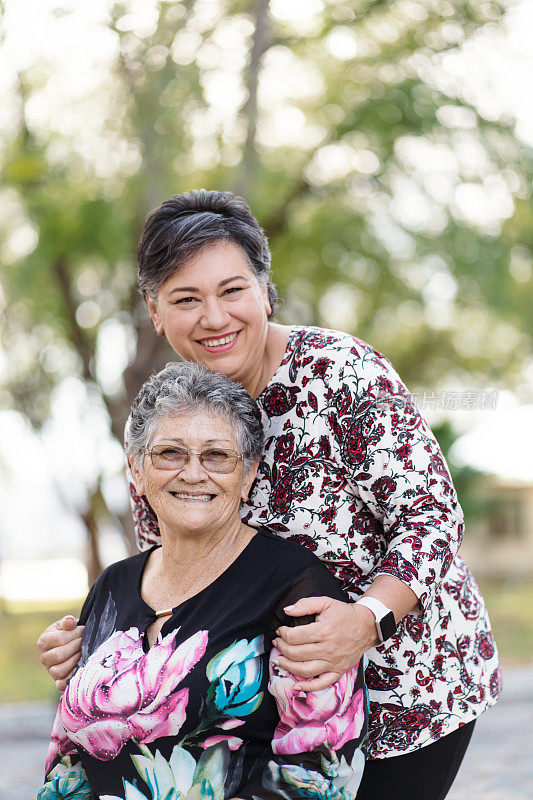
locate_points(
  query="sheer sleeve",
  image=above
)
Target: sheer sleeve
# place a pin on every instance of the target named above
(317, 749)
(396, 466)
(64, 773)
(66, 779)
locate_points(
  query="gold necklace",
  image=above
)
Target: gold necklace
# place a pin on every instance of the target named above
(166, 612)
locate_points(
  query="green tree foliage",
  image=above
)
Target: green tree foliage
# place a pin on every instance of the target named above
(351, 150)
(466, 479)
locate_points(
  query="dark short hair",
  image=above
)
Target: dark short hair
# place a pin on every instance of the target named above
(185, 223)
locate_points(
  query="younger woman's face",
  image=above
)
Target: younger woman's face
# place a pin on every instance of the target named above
(214, 311)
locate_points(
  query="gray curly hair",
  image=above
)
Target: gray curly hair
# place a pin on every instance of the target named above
(181, 388)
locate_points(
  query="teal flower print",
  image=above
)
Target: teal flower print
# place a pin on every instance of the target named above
(338, 781)
(66, 783)
(180, 778)
(235, 675)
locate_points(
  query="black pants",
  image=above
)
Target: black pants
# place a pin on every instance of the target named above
(425, 774)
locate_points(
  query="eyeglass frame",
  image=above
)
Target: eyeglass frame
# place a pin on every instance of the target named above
(199, 453)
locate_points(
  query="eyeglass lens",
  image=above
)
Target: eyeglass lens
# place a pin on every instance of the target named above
(212, 459)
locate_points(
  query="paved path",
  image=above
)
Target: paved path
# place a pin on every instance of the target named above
(498, 764)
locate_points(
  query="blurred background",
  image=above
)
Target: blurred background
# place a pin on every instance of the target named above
(386, 148)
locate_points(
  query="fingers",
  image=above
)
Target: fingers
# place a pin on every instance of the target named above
(62, 672)
(56, 635)
(301, 652)
(58, 657)
(302, 634)
(304, 669)
(68, 623)
(61, 685)
(307, 605)
(323, 681)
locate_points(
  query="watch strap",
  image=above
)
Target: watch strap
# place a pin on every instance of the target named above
(378, 608)
(382, 613)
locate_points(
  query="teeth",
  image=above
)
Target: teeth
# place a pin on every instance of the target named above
(219, 342)
(184, 496)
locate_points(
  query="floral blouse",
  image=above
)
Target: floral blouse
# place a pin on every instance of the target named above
(204, 713)
(352, 471)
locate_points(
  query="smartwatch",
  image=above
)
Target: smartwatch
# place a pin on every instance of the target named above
(385, 622)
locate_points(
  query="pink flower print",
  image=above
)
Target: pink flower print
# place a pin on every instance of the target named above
(233, 741)
(330, 716)
(123, 693)
(228, 724)
(60, 744)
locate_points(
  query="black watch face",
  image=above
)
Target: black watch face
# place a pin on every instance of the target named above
(387, 625)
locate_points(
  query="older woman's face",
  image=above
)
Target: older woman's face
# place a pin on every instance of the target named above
(193, 499)
(214, 311)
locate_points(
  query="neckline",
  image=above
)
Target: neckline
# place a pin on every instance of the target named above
(286, 352)
(152, 611)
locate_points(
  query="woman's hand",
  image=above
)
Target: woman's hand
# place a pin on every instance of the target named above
(328, 647)
(60, 645)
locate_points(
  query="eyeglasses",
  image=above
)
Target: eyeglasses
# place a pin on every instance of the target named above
(175, 458)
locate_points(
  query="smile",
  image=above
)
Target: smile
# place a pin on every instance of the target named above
(204, 498)
(222, 343)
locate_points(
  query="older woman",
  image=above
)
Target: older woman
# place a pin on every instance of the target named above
(172, 697)
(352, 471)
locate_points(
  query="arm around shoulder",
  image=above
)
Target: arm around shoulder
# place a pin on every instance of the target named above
(321, 735)
(397, 469)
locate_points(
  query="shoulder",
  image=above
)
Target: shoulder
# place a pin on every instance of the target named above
(285, 561)
(335, 368)
(122, 572)
(325, 348)
(312, 339)
(270, 543)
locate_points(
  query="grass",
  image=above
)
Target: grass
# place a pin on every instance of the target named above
(22, 677)
(510, 607)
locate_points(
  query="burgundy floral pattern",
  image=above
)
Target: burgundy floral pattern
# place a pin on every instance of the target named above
(352, 470)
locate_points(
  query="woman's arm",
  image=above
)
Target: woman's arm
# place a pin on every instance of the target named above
(404, 483)
(317, 746)
(60, 649)
(340, 635)
(60, 643)
(64, 774)
(66, 779)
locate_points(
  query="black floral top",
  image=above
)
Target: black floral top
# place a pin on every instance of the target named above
(205, 713)
(352, 471)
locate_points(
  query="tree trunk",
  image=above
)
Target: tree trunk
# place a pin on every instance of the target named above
(261, 42)
(90, 520)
